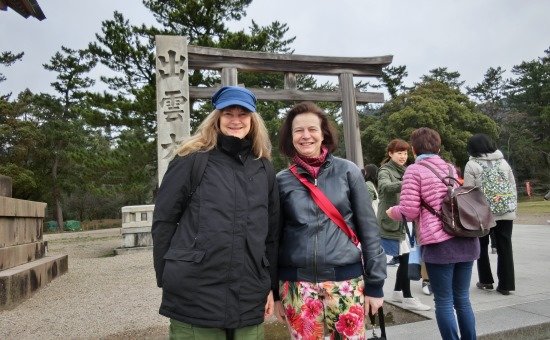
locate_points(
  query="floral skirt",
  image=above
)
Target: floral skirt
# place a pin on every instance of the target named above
(335, 308)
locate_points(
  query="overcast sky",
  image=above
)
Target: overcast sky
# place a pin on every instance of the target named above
(467, 36)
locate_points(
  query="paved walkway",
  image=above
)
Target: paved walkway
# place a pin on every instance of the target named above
(524, 314)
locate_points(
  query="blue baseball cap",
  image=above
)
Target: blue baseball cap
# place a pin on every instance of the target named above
(234, 95)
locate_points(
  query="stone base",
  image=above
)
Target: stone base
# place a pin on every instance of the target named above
(122, 251)
(132, 238)
(11, 257)
(19, 283)
(136, 227)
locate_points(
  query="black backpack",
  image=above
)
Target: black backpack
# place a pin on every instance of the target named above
(465, 211)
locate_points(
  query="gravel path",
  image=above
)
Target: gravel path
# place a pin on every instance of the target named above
(101, 297)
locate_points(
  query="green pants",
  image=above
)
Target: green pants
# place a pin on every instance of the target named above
(184, 331)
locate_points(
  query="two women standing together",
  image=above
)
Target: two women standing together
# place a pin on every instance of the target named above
(242, 244)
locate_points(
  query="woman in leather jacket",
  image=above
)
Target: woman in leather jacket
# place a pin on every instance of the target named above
(323, 283)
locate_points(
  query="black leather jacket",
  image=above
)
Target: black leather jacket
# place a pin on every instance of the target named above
(312, 247)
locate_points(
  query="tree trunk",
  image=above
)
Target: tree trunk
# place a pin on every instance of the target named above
(58, 209)
(59, 213)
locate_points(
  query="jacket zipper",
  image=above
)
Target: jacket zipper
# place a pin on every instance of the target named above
(316, 241)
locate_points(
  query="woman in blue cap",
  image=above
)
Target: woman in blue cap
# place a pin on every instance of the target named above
(215, 248)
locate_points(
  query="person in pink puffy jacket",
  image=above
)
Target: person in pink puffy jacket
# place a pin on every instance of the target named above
(449, 260)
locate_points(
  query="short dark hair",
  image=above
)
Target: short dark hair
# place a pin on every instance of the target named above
(425, 140)
(330, 133)
(480, 144)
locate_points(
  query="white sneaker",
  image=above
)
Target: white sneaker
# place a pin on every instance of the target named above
(426, 288)
(414, 304)
(397, 296)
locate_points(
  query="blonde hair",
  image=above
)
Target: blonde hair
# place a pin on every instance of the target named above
(206, 136)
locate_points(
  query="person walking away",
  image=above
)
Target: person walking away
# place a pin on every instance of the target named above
(426, 287)
(392, 233)
(493, 241)
(485, 156)
(323, 283)
(449, 260)
(370, 173)
(215, 249)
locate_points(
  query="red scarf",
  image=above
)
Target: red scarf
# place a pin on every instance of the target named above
(312, 164)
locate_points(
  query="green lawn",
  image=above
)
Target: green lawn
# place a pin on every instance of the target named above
(533, 205)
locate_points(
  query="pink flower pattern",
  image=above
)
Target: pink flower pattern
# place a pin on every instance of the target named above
(348, 324)
(312, 308)
(309, 307)
(346, 289)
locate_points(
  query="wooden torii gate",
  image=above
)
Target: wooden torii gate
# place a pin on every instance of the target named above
(174, 58)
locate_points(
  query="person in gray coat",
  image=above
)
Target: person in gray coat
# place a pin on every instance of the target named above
(483, 152)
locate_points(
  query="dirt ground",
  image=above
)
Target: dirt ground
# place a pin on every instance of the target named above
(542, 218)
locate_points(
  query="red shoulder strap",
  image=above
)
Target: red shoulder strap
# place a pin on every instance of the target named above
(327, 206)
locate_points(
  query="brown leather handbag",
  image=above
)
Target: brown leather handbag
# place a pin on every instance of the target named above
(465, 211)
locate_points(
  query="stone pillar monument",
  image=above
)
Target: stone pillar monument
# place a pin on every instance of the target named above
(173, 125)
(172, 98)
(24, 264)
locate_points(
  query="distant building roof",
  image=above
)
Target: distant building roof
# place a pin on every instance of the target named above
(24, 7)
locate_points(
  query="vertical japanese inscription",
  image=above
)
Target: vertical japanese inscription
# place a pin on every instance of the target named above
(173, 109)
(172, 98)
(172, 65)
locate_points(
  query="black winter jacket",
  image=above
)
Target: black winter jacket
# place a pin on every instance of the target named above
(312, 247)
(214, 261)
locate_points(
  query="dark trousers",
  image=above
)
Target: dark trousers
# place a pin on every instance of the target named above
(402, 282)
(505, 257)
(493, 239)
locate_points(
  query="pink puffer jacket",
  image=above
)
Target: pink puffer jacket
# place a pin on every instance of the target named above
(419, 181)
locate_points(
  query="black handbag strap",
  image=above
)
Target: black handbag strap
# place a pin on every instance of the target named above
(381, 322)
(410, 234)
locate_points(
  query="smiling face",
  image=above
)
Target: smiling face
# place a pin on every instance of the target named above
(235, 121)
(399, 157)
(307, 135)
